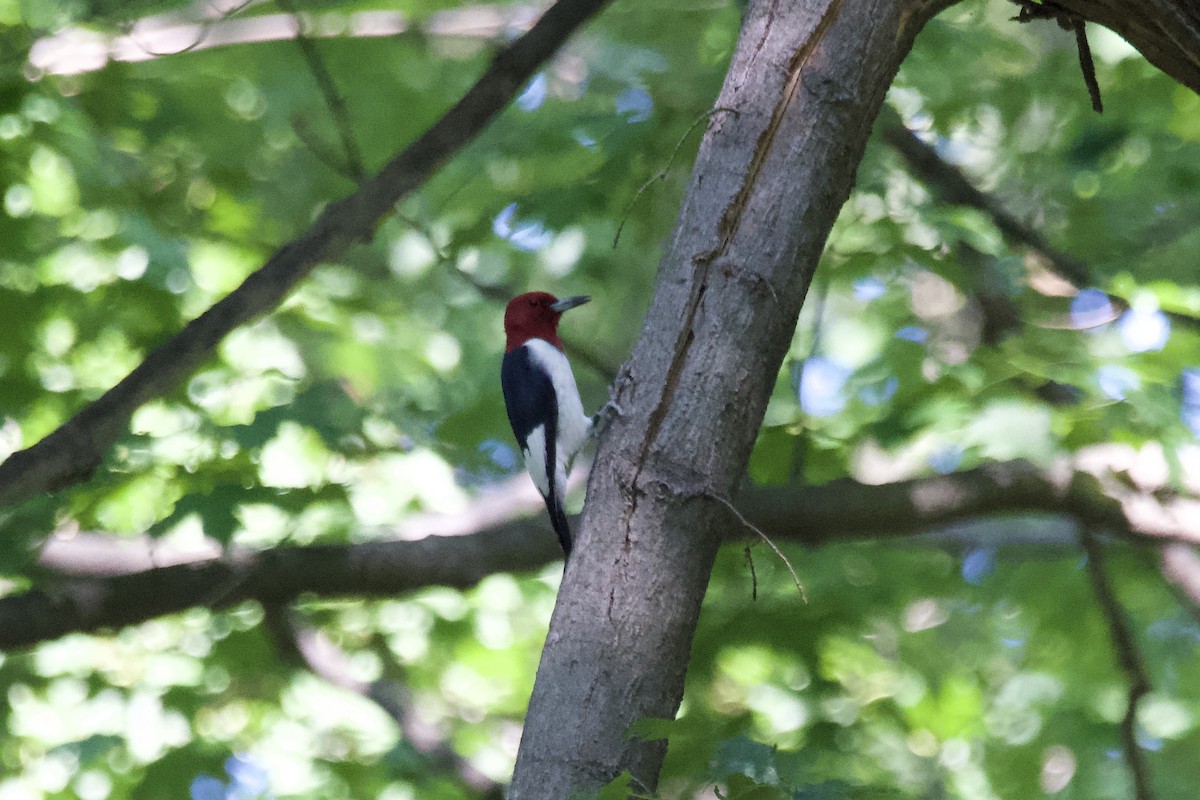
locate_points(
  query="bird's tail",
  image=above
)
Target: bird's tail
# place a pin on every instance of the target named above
(558, 519)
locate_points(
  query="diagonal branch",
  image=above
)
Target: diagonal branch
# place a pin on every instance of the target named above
(930, 168)
(1129, 659)
(955, 188)
(72, 452)
(311, 649)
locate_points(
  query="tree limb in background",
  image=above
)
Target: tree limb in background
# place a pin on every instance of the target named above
(78, 50)
(96, 594)
(955, 188)
(72, 452)
(1129, 659)
(1167, 32)
(309, 648)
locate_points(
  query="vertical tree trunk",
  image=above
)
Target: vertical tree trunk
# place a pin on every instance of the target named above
(776, 164)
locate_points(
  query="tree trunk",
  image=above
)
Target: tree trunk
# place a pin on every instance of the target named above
(776, 164)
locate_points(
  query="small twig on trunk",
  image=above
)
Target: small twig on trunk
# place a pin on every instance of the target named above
(1069, 21)
(1129, 659)
(748, 525)
(753, 573)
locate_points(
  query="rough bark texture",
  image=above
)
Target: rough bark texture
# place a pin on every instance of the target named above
(775, 166)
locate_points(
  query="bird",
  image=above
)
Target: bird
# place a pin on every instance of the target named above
(541, 398)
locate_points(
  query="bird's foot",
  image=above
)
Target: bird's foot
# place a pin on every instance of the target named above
(604, 417)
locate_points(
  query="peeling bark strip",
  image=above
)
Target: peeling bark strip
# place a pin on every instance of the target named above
(71, 453)
(804, 87)
(731, 219)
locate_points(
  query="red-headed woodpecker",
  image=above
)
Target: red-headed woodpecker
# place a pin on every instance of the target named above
(541, 397)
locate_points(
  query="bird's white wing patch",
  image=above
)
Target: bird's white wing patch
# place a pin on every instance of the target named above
(573, 424)
(535, 458)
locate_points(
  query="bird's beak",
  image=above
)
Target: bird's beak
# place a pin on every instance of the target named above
(567, 303)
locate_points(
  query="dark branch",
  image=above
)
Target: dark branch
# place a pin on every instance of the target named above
(839, 511)
(954, 187)
(1067, 20)
(1087, 64)
(72, 452)
(1129, 659)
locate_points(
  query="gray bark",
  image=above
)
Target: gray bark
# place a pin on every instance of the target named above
(774, 167)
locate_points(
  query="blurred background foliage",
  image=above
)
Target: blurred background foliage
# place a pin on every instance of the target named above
(137, 191)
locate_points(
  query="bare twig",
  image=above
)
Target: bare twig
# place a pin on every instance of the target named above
(1087, 64)
(753, 573)
(72, 452)
(757, 531)
(321, 150)
(1069, 21)
(329, 90)
(1129, 659)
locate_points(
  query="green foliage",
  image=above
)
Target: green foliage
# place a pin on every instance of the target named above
(136, 195)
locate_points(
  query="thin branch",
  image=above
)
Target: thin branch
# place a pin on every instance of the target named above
(835, 512)
(329, 90)
(72, 452)
(1129, 659)
(955, 188)
(745, 523)
(323, 151)
(662, 174)
(309, 648)
(1087, 64)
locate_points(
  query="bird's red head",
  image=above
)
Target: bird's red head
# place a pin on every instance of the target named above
(535, 315)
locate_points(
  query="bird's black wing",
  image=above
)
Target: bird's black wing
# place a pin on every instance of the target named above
(528, 396)
(530, 401)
